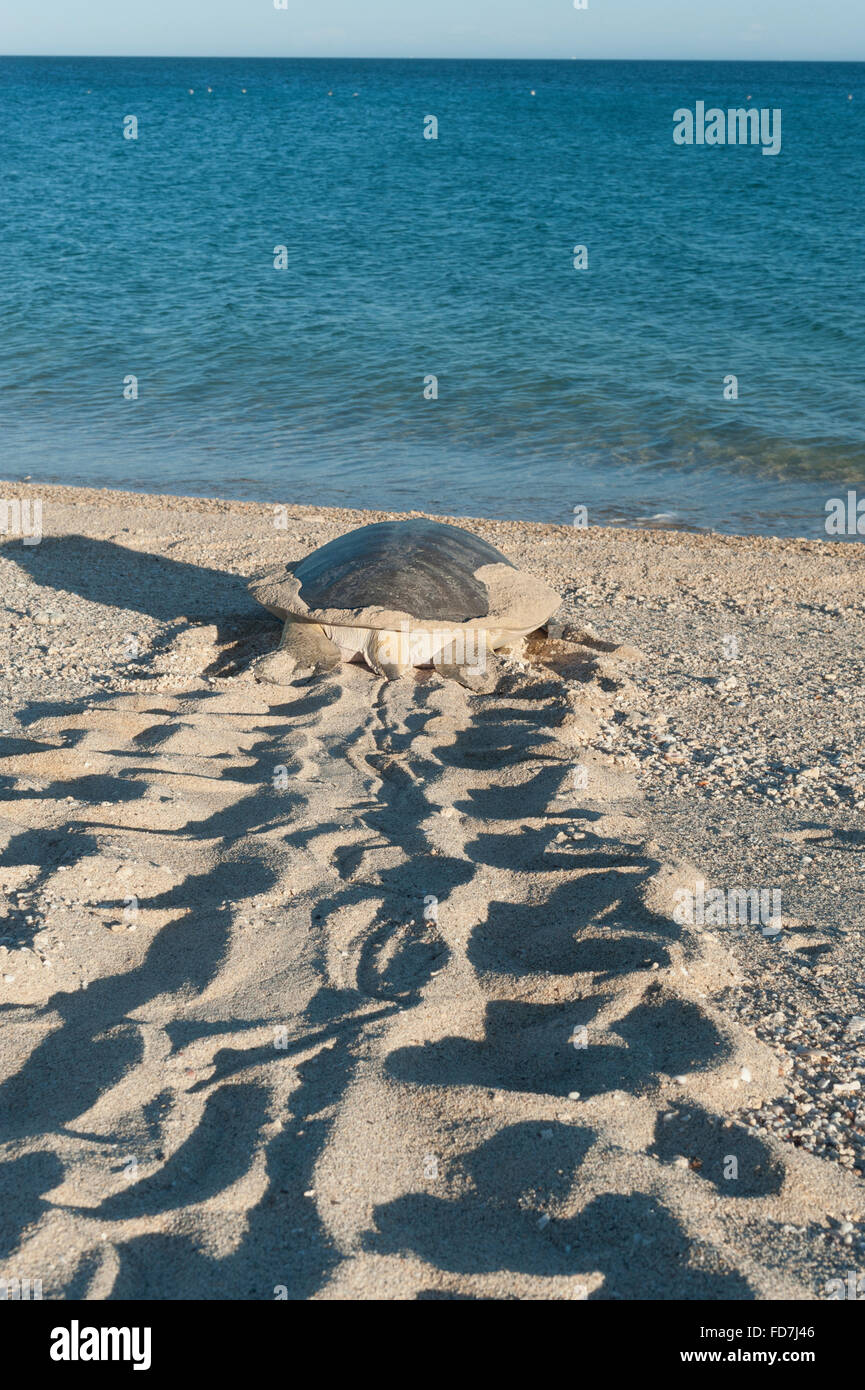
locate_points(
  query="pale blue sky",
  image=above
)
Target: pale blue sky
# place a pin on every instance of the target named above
(783, 29)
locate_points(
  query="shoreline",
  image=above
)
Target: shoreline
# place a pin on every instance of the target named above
(107, 497)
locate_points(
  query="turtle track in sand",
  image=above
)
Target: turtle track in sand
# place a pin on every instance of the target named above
(404, 1012)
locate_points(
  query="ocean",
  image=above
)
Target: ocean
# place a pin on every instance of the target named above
(282, 291)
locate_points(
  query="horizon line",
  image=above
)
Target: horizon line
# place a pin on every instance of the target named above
(405, 58)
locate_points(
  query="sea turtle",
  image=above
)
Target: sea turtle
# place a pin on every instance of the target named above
(400, 594)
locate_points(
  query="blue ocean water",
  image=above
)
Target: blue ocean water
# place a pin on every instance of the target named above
(409, 257)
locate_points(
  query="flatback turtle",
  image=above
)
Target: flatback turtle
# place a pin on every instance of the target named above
(400, 594)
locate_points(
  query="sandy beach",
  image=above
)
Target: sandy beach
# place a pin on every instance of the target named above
(364, 990)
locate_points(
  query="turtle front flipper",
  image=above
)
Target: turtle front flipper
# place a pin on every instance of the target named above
(303, 651)
(387, 655)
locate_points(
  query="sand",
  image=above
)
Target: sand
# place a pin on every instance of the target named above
(357, 990)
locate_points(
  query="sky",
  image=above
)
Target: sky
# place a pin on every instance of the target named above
(758, 29)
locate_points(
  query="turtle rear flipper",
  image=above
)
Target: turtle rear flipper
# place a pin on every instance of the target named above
(480, 677)
(303, 651)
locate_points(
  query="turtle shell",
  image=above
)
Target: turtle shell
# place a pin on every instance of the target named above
(425, 567)
(425, 570)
